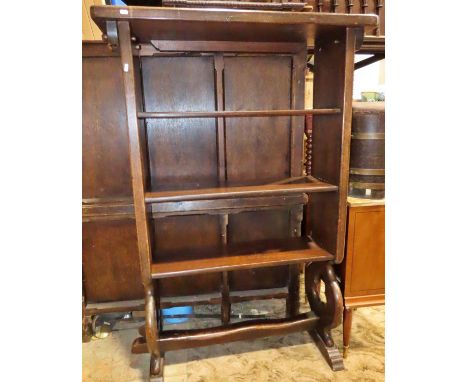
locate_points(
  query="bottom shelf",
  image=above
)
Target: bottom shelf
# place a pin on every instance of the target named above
(238, 256)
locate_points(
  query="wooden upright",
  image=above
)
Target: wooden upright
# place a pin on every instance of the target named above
(214, 108)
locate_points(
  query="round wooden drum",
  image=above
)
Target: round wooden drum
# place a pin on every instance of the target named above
(367, 163)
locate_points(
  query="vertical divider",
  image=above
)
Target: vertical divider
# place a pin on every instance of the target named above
(136, 154)
(220, 122)
(298, 70)
(331, 136)
(299, 62)
(137, 168)
(221, 145)
(226, 300)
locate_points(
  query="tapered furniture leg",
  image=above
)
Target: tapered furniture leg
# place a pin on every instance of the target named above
(329, 311)
(347, 322)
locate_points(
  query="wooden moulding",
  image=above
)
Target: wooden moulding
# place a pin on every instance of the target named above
(176, 340)
(224, 46)
(363, 301)
(249, 255)
(122, 208)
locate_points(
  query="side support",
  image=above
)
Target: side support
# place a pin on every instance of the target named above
(331, 136)
(137, 166)
(329, 312)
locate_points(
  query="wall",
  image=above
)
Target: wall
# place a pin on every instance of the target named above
(89, 30)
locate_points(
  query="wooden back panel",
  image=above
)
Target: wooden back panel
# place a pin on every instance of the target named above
(105, 142)
(110, 258)
(184, 153)
(258, 151)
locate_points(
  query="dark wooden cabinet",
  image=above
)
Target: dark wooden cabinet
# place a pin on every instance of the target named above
(362, 271)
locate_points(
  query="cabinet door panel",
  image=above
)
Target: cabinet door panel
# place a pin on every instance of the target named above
(367, 250)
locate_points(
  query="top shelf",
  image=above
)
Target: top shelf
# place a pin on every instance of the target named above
(159, 23)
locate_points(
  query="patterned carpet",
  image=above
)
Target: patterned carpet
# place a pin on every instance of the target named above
(290, 358)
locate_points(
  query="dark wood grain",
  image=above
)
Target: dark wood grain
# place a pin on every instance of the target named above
(176, 340)
(227, 25)
(110, 261)
(235, 114)
(331, 137)
(232, 192)
(234, 257)
(105, 140)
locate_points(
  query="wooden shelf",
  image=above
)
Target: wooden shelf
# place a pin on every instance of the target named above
(235, 113)
(167, 23)
(312, 185)
(239, 256)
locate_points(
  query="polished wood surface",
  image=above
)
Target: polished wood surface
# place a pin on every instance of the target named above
(232, 192)
(331, 135)
(240, 113)
(110, 259)
(241, 256)
(363, 270)
(176, 340)
(226, 24)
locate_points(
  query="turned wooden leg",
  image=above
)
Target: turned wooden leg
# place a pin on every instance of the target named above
(329, 311)
(347, 322)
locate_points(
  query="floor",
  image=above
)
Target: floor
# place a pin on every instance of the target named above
(290, 358)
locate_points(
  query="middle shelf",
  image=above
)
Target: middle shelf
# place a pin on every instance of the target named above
(305, 184)
(231, 257)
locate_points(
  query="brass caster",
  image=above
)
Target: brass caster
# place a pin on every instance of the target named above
(345, 351)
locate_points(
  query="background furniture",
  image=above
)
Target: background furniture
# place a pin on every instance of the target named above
(362, 271)
(367, 162)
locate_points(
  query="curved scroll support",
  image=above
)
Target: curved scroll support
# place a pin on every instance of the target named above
(152, 336)
(330, 311)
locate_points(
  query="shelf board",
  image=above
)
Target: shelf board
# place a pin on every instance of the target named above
(313, 185)
(236, 113)
(237, 256)
(175, 24)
